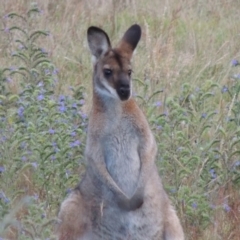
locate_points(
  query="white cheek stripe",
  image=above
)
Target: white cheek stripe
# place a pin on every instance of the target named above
(106, 90)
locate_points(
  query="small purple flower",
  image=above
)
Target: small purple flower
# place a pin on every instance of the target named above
(40, 84)
(51, 131)
(237, 163)
(224, 89)
(212, 206)
(159, 127)
(75, 144)
(23, 145)
(13, 68)
(35, 196)
(47, 71)
(43, 50)
(204, 115)
(61, 98)
(40, 97)
(55, 147)
(55, 71)
(212, 173)
(21, 47)
(53, 157)
(197, 89)
(74, 105)
(35, 165)
(2, 169)
(9, 80)
(226, 207)
(234, 62)
(3, 139)
(158, 104)
(24, 158)
(82, 102)
(6, 200)
(43, 215)
(2, 195)
(194, 205)
(73, 134)
(83, 115)
(20, 111)
(6, 16)
(165, 113)
(6, 30)
(62, 107)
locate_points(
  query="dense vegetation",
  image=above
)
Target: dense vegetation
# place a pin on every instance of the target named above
(186, 79)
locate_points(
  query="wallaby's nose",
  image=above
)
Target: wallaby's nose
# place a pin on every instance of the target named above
(124, 91)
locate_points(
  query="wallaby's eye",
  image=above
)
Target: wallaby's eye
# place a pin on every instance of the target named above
(107, 72)
(129, 72)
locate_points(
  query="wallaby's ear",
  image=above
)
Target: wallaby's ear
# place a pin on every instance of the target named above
(130, 40)
(98, 42)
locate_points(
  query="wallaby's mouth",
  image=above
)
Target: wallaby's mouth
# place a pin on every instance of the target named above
(124, 92)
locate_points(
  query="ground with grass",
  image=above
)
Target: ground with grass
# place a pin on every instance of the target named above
(186, 79)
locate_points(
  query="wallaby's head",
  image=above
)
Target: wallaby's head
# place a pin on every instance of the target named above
(112, 66)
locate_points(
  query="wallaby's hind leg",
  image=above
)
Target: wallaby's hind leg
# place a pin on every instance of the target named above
(73, 218)
(172, 228)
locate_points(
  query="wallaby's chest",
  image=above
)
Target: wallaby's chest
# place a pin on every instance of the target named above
(121, 156)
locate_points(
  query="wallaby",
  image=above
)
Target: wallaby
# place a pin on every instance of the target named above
(121, 195)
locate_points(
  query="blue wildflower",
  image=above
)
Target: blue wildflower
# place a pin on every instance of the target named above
(226, 207)
(61, 98)
(224, 89)
(194, 205)
(74, 105)
(43, 50)
(2, 169)
(204, 115)
(75, 143)
(158, 104)
(9, 80)
(62, 107)
(40, 84)
(212, 173)
(35, 165)
(47, 71)
(234, 62)
(40, 97)
(73, 134)
(51, 131)
(55, 71)
(6, 30)
(13, 68)
(20, 111)
(83, 115)
(82, 102)
(24, 158)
